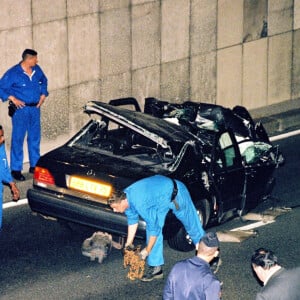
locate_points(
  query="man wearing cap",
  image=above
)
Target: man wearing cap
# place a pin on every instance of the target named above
(151, 198)
(279, 283)
(25, 86)
(193, 278)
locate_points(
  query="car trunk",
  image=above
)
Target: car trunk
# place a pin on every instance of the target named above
(118, 171)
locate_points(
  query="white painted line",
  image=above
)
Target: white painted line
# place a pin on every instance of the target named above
(13, 203)
(253, 225)
(284, 135)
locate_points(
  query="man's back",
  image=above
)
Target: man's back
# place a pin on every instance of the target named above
(192, 279)
(283, 285)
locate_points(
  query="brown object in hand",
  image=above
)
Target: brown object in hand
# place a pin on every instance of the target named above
(136, 265)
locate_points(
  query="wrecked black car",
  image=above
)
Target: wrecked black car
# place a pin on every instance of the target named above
(225, 159)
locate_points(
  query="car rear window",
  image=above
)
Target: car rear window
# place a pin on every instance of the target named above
(110, 137)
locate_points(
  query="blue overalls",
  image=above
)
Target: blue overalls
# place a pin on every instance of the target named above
(28, 89)
(150, 198)
(5, 175)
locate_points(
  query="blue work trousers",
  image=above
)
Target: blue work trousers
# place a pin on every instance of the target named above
(187, 215)
(1, 203)
(25, 120)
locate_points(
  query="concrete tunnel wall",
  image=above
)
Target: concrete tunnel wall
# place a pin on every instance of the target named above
(229, 52)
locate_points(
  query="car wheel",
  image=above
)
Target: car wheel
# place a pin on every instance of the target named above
(181, 241)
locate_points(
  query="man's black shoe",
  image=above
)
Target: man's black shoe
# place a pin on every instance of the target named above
(17, 175)
(153, 273)
(31, 170)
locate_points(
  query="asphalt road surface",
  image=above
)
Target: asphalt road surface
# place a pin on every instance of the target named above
(41, 259)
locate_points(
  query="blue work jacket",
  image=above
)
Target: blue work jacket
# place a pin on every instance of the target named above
(192, 279)
(149, 198)
(5, 175)
(26, 88)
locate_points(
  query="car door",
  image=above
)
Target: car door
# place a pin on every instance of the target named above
(259, 166)
(228, 171)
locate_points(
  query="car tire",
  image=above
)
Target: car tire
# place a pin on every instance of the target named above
(181, 240)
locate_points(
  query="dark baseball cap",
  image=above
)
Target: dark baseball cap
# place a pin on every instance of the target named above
(210, 239)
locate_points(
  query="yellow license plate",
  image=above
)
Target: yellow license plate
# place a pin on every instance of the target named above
(89, 186)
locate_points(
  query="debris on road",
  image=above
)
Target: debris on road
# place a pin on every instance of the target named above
(268, 215)
(240, 234)
(99, 246)
(236, 236)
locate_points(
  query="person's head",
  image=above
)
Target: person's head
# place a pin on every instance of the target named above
(118, 201)
(2, 138)
(208, 247)
(263, 261)
(29, 57)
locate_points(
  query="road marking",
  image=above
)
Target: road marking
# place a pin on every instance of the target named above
(253, 225)
(284, 135)
(13, 203)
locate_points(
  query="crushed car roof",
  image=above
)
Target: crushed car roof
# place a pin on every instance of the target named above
(158, 130)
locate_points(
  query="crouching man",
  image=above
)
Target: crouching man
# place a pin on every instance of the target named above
(279, 283)
(151, 198)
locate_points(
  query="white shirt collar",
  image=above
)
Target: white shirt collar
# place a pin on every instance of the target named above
(274, 270)
(31, 75)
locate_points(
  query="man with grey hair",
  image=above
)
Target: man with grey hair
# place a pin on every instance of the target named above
(193, 278)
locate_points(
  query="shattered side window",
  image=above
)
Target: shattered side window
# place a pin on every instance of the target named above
(252, 151)
(255, 151)
(228, 149)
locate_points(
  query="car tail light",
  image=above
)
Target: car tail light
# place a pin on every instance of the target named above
(43, 175)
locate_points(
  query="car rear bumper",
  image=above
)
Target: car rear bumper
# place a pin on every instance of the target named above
(79, 211)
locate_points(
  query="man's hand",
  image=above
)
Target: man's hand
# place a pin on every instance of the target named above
(143, 254)
(41, 101)
(129, 247)
(14, 191)
(18, 103)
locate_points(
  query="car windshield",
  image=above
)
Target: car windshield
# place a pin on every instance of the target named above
(108, 137)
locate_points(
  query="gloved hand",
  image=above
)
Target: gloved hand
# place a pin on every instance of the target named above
(143, 254)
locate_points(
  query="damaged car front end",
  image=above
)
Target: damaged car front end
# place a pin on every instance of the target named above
(238, 144)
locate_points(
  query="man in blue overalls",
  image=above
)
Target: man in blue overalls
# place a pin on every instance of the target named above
(5, 175)
(150, 198)
(25, 86)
